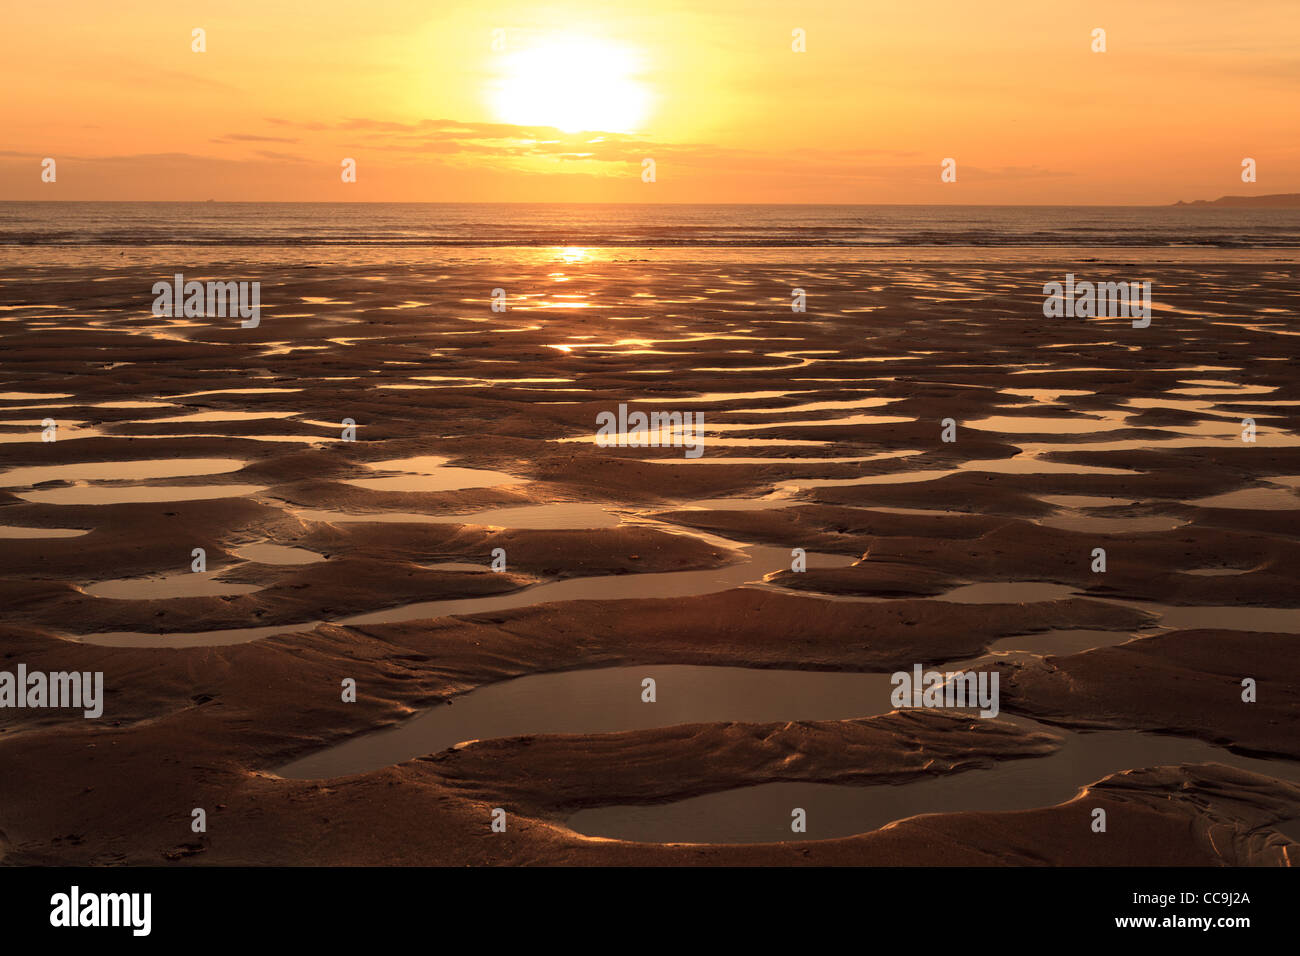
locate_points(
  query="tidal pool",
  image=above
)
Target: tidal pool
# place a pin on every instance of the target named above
(605, 699)
(762, 814)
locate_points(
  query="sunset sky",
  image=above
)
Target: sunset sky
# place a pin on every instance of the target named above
(711, 90)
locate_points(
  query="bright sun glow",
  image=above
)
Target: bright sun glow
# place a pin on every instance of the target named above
(574, 84)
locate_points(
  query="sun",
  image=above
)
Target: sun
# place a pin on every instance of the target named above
(574, 84)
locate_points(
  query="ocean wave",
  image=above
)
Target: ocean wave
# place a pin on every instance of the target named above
(548, 226)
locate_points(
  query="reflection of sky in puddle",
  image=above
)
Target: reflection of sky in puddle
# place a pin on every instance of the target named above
(67, 431)
(1076, 520)
(796, 462)
(1028, 463)
(874, 402)
(187, 584)
(1265, 498)
(1106, 525)
(119, 470)
(674, 436)
(300, 439)
(1219, 386)
(428, 473)
(134, 405)
(238, 391)
(264, 552)
(11, 531)
(1229, 432)
(761, 814)
(112, 495)
(693, 439)
(1284, 620)
(1056, 643)
(1046, 395)
(1008, 592)
(1024, 424)
(605, 700)
(559, 515)
(218, 416)
(710, 397)
(757, 561)
(1084, 501)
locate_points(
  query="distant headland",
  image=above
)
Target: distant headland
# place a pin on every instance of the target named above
(1276, 201)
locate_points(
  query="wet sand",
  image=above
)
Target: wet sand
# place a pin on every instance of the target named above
(329, 559)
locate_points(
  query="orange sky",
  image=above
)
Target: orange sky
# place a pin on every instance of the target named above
(415, 92)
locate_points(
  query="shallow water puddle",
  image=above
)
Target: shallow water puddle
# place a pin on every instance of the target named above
(266, 553)
(762, 814)
(760, 561)
(1009, 592)
(1028, 463)
(888, 478)
(712, 397)
(1120, 525)
(770, 460)
(1214, 386)
(123, 494)
(1015, 424)
(1283, 620)
(1173, 616)
(33, 431)
(216, 416)
(132, 404)
(429, 473)
(239, 391)
(301, 439)
(766, 503)
(119, 470)
(1228, 432)
(1057, 643)
(14, 531)
(1211, 409)
(1254, 499)
(562, 515)
(725, 427)
(603, 700)
(875, 402)
(1084, 501)
(709, 441)
(184, 585)
(1044, 395)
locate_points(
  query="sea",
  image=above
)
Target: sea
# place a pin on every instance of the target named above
(33, 233)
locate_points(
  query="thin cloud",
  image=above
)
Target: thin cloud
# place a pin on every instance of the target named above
(251, 138)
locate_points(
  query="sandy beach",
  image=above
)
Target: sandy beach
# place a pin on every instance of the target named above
(370, 559)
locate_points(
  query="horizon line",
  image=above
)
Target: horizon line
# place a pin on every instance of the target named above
(508, 202)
